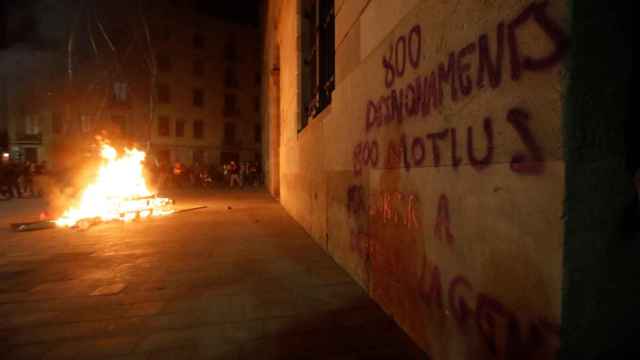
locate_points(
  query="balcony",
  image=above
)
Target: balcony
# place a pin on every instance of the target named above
(231, 143)
(28, 139)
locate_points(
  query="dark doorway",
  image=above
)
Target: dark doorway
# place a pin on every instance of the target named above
(31, 154)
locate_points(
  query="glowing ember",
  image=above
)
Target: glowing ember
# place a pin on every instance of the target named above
(119, 192)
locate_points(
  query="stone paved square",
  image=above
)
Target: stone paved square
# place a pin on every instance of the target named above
(236, 280)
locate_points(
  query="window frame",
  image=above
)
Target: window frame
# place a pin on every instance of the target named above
(198, 129)
(230, 49)
(198, 40)
(231, 77)
(198, 97)
(181, 125)
(229, 129)
(317, 44)
(198, 67)
(163, 63)
(230, 105)
(161, 133)
(159, 94)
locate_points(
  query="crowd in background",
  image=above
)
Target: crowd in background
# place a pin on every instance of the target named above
(19, 179)
(179, 175)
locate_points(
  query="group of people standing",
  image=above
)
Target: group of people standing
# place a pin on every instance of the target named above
(17, 179)
(242, 174)
(179, 175)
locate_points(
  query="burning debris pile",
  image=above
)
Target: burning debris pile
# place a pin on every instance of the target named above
(119, 192)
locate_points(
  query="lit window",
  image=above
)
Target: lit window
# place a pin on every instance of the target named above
(120, 92)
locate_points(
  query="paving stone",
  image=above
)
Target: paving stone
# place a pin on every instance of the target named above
(211, 285)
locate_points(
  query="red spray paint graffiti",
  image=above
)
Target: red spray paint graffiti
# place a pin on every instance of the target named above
(414, 152)
(442, 228)
(501, 329)
(406, 47)
(452, 79)
(392, 208)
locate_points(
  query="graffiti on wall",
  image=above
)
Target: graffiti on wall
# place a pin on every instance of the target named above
(449, 82)
(413, 94)
(437, 148)
(505, 333)
(378, 207)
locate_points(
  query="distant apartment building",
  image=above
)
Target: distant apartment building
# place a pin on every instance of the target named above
(181, 84)
(207, 90)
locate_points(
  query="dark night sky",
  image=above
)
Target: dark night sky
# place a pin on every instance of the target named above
(38, 23)
(45, 23)
(238, 11)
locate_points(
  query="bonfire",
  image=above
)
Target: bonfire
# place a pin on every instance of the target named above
(118, 192)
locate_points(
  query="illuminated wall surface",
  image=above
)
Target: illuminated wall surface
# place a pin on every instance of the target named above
(439, 178)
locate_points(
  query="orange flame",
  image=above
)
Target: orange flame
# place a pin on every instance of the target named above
(119, 192)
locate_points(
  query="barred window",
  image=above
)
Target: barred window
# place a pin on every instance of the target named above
(318, 57)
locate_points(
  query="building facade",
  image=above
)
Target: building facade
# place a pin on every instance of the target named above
(207, 89)
(179, 83)
(434, 150)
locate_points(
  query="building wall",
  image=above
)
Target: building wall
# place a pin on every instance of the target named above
(436, 175)
(182, 81)
(96, 67)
